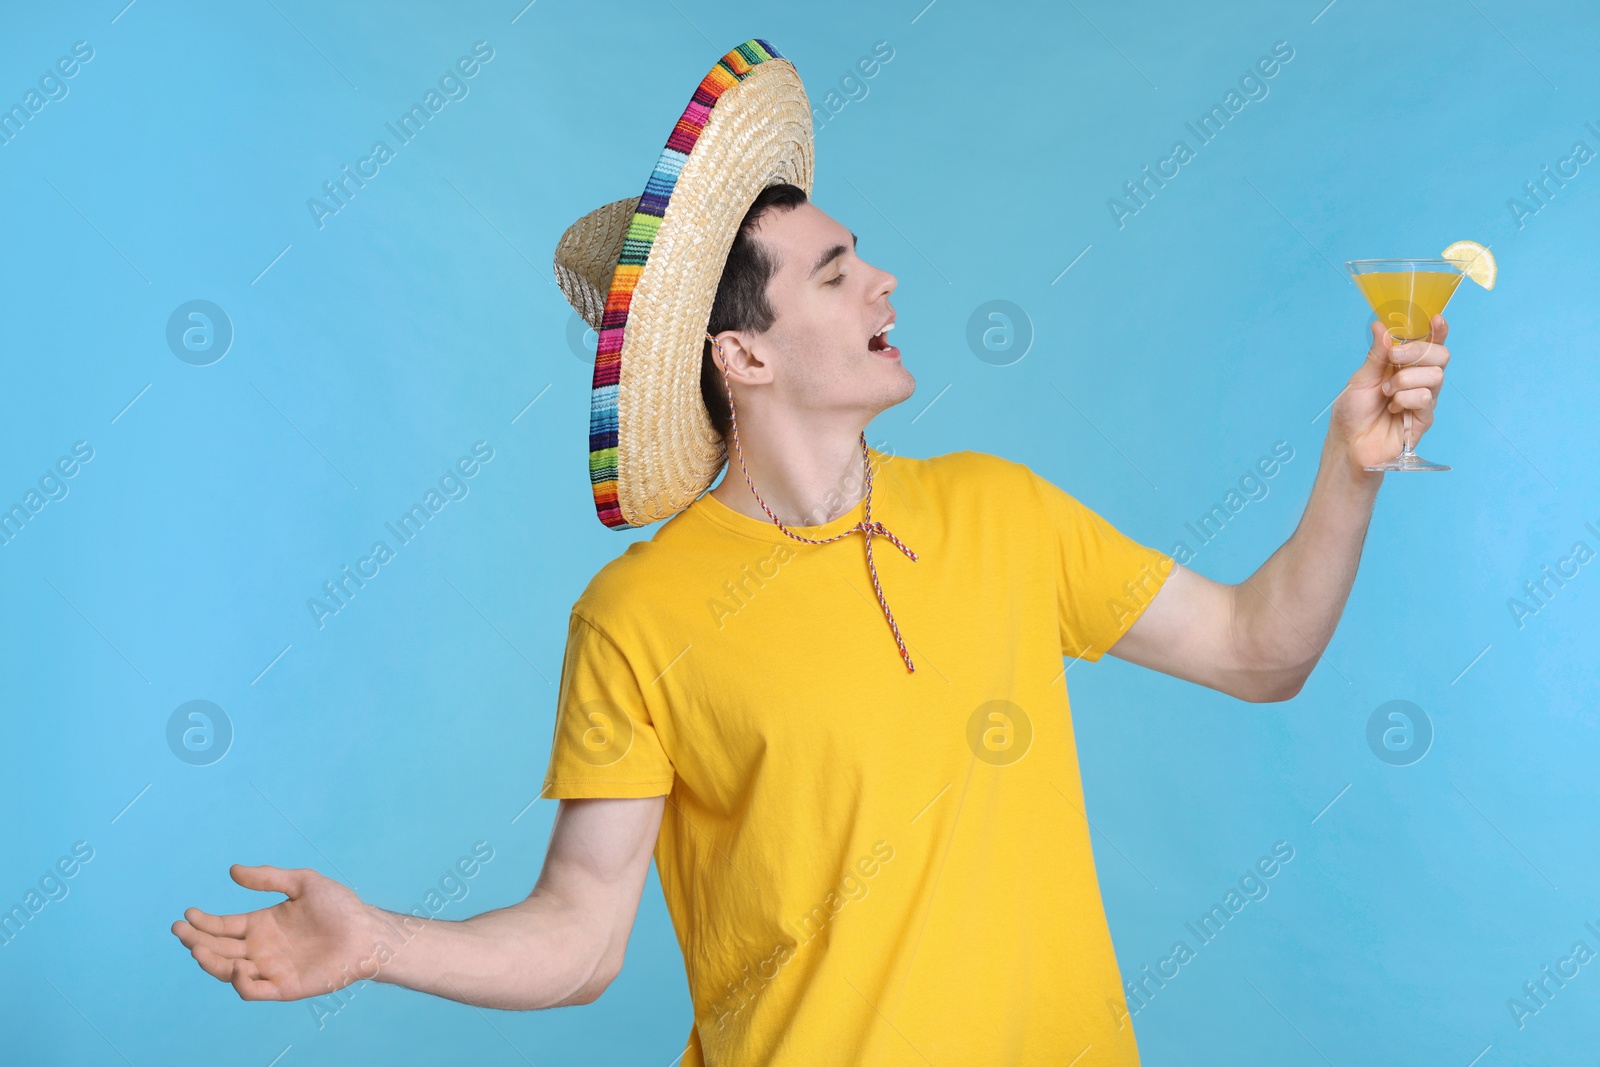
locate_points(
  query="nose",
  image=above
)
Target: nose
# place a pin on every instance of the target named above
(887, 284)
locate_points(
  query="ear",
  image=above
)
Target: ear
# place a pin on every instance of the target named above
(744, 364)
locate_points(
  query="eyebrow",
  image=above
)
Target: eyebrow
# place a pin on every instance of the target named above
(832, 254)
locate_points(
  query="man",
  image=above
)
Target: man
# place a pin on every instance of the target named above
(867, 820)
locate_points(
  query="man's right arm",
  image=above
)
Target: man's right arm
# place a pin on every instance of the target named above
(562, 945)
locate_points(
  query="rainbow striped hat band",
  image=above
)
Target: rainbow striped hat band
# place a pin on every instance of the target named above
(643, 272)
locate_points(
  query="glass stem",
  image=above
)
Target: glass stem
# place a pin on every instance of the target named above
(1405, 421)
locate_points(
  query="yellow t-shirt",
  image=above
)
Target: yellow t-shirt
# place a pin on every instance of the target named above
(864, 864)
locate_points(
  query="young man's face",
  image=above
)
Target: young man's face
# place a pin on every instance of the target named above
(829, 303)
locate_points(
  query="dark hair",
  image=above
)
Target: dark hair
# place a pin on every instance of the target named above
(741, 302)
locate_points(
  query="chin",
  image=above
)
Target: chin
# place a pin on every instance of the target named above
(907, 386)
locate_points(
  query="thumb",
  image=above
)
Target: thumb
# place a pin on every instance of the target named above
(1378, 361)
(268, 879)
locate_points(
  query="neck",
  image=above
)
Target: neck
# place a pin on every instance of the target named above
(807, 475)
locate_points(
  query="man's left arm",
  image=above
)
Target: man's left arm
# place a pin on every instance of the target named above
(1258, 640)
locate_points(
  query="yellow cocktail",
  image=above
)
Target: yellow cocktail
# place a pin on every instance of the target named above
(1405, 301)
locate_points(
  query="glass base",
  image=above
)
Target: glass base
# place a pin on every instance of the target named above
(1408, 462)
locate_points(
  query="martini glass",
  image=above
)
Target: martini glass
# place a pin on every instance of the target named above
(1405, 294)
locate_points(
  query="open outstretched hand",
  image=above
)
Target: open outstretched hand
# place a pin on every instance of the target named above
(1394, 380)
(308, 945)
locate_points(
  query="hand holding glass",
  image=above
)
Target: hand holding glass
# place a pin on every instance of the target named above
(1405, 294)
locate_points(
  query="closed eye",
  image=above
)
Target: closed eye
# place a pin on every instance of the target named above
(835, 280)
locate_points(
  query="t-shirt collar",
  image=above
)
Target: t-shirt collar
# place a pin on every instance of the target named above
(709, 507)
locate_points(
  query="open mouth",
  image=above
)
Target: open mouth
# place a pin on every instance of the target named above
(879, 342)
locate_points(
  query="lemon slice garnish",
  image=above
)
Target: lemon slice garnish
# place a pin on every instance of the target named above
(1475, 261)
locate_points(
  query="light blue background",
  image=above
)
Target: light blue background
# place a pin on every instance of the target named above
(371, 353)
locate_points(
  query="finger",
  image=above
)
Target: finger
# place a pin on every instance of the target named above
(268, 878)
(1427, 377)
(1438, 329)
(217, 966)
(1377, 360)
(216, 925)
(1381, 344)
(1412, 399)
(229, 948)
(247, 982)
(1420, 421)
(194, 940)
(1419, 353)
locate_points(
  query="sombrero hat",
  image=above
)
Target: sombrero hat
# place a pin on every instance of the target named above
(643, 272)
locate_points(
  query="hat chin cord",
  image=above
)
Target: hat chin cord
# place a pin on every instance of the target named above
(866, 526)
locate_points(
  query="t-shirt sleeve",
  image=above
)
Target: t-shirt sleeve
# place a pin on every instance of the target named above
(605, 742)
(1104, 578)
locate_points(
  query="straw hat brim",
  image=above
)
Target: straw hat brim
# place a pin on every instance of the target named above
(643, 271)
